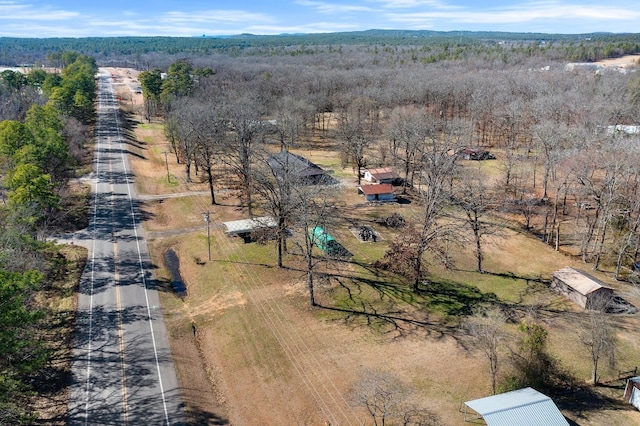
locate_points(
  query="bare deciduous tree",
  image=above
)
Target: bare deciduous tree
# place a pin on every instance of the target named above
(275, 181)
(244, 115)
(485, 332)
(314, 207)
(407, 131)
(381, 394)
(179, 130)
(598, 335)
(358, 126)
(290, 117)
(439, 165)
(477, 201)
(603, 175)
(210, 133)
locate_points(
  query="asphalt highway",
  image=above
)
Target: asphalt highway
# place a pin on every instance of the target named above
(122, 367)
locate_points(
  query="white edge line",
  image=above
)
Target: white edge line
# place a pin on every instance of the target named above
(91, 286)
(142, 273)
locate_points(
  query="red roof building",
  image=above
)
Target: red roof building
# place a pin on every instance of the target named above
(380, 192)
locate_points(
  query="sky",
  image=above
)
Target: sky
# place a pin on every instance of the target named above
(106, 18)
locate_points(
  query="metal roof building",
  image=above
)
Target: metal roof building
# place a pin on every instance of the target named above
(632, 392)
(522, 407)
(289, 165)
(378, 192)
(246, 226)
(580, 287)
(381, 175)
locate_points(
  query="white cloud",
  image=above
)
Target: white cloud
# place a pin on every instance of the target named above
(332, 9)
(405, 4)
(313, 27)
(21, 19)
(13, 11)
(215, 16)
(528, 12)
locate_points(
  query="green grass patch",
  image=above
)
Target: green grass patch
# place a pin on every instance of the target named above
(454, 299)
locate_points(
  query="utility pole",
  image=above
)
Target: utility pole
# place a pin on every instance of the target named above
(206, 219)
(166, 162)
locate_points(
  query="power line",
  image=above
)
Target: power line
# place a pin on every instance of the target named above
(292, 343)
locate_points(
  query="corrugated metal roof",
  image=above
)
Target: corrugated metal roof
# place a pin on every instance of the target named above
(381, 188)
(382, 173)
(579, 281)
(287, 163)
(244, 226)
(523, 407)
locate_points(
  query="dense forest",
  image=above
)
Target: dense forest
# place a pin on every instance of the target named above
(420, 46)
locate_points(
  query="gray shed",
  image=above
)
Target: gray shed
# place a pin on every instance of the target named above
(522, 407)
(632, 392)
(580, 287)
(289, 165)
(247, 226)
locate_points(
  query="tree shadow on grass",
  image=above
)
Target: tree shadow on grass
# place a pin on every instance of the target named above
(387, 323)
(453, 298)
(398, 308)
(510, 275)
(581, 401)
(198, 417)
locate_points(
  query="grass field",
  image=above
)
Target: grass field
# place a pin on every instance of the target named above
(249, 349)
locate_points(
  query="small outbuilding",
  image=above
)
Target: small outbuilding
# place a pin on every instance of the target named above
(244, 227)
(522, 407)
(632, 392)
(381, 175)
(580, 287)
(379, 192)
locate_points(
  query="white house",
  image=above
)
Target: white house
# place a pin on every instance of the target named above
(381, 175)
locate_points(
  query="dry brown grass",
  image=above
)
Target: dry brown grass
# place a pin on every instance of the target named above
(261, 355)
(59, 302)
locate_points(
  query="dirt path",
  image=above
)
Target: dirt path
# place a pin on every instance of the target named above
(151, 197)
(628, 61)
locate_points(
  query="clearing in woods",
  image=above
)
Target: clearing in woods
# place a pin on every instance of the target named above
(249, 350)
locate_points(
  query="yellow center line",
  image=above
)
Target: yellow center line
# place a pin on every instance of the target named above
(116, 279)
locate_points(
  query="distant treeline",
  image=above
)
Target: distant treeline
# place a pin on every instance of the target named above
(435, 45)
